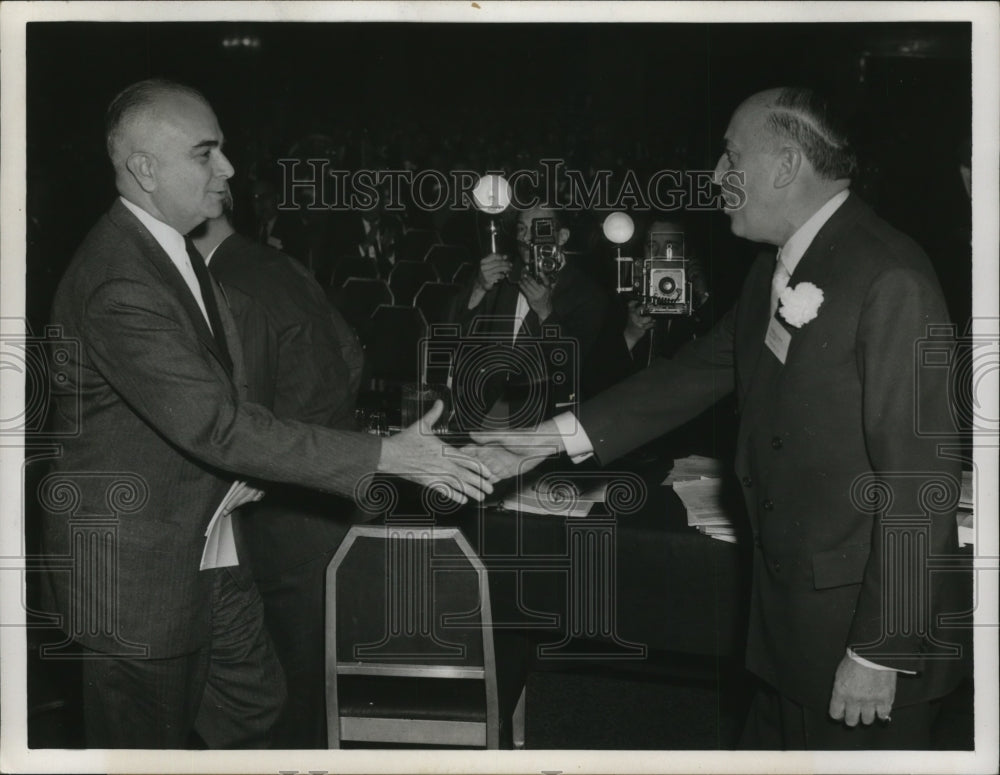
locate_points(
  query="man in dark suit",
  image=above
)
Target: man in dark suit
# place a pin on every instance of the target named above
(837, 477)
(508, 376)
(157, 430)
(374, 234)
(298, 367)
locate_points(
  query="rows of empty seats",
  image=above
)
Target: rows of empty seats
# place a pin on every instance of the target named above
(361, 296)
(444, 260)
(393, 315)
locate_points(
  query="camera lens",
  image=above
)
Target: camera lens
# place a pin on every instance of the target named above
(667, 285)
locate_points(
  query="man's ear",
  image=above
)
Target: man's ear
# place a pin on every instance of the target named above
(562, 237)
(142, 166)
(788, 163)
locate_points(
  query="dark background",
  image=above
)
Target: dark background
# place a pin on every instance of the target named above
(643, 96)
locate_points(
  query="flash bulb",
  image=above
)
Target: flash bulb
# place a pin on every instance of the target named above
(618, 228)
(492, 194)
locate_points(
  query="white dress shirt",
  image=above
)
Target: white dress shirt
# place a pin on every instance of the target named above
(797, 245)
(172, 242)
(520, 313)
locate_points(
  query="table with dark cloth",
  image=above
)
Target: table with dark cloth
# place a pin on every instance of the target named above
(629, 577)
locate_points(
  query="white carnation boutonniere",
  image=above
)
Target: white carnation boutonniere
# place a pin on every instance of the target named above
(800, 304)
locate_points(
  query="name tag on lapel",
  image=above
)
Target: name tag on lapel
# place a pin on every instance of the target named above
(777, 339)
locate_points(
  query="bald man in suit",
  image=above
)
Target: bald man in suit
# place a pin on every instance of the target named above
(847, 498)
(160, 398)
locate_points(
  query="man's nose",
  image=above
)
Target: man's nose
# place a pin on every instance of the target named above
(717, 172)
(223, 169)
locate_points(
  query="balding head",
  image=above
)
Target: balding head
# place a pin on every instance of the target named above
(788, 156)
(805, 118)
(132, 116)
(166, 147)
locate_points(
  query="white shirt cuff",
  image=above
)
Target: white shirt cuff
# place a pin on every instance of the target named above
(873, 666)
(574, 437)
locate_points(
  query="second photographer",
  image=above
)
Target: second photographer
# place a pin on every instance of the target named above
(528, 321)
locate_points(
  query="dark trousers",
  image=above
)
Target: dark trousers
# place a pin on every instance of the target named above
(776, 723)
(230, 691)
(295, 612)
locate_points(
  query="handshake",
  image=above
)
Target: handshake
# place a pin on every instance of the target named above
(418, 455)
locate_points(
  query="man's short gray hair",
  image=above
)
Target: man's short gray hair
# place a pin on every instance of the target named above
(134, 99)
(805, 117)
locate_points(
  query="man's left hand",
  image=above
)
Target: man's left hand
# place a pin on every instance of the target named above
(861, 692)
(538, 292)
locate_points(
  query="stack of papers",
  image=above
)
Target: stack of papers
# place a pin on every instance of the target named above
(705, 511)
(965, 516)
(694, 467)
(697, 481)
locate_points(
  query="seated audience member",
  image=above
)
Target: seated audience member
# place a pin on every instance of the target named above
(264, 198)
(527, 330)
(296, 228)
(373, 233)
(303, 363)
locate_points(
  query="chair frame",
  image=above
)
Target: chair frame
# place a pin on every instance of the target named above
(414, 731)
(398, 264)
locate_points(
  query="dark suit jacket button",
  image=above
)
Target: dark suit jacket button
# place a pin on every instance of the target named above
(777, 567)
(747, 481)
(767, 505)
(776, 442)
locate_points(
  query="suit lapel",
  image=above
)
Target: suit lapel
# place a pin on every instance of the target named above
(169, 273)
(818, 265)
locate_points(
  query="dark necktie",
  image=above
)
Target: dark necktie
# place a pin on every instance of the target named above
(208, 297)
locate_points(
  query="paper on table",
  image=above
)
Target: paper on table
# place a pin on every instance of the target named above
(702, 498)
(596, 494)
(729, 538)
(695, 467)
(220, 543)
(534, 501)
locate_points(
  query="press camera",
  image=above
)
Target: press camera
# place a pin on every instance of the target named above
(660, 281)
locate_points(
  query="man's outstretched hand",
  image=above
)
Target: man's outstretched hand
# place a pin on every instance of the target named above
(418, 455)
(513, 452)
(861, 693)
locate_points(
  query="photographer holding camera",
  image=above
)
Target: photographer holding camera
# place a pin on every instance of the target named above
(537, 299)
(647, 335)
(636, 336)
